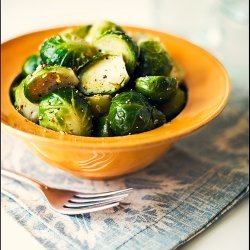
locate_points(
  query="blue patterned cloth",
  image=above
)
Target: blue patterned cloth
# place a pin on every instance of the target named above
(176, 198)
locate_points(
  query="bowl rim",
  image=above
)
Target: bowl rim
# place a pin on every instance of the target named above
(127, 140)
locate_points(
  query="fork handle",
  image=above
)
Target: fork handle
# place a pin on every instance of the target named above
(23, 178)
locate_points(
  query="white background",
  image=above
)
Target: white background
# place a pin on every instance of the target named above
(201, 21)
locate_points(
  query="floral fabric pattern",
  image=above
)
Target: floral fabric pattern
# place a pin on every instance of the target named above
(173, 200)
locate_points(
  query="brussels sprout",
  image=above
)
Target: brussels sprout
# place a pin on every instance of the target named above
(62, 51)
(130, 113)
(67, 111)
(99, 28)
(154, 59)
(46, 79)
(175, 105)
(99, 104)
(31, 64)
(76, 33)
(106, 74)
(101, 127)
(23, 105)
(177, 72)
(158, 117)
(156, 88)
(118, 43)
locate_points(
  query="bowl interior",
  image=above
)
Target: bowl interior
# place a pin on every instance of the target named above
(206, 80)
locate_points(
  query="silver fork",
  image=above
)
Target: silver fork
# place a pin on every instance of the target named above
(71, 202)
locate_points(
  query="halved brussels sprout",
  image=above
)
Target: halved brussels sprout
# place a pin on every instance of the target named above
(154, 59)
(31, 64)
(23, 105)
(46, 79)
(106, 74)
(118, 43)
(177, 72)
(102, 127)
(61, 50)
(99, 104)
(156, 88)
(175, 104)
(99, 28)
(130, 113)
(76, 33)
(65, 110)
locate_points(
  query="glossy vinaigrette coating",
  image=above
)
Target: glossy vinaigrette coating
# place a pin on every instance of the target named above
(97, 80)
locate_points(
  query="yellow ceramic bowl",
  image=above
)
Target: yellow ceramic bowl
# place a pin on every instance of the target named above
(101, 158)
